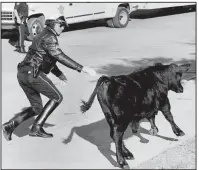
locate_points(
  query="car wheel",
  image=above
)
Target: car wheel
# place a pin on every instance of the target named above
(121, 18)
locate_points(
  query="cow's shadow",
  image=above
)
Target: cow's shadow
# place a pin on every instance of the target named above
(98, 133)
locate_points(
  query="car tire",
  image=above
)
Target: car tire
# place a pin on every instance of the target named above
(121, 18)
(35, 26)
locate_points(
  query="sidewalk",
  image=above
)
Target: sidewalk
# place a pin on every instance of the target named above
(181, 156)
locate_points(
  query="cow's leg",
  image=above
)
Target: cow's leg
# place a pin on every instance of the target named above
(167, 113)
(118, 132)
(126, 153)
(108, 115)
(134, 126)
(110, 120)
(103, 101)
(154, 129)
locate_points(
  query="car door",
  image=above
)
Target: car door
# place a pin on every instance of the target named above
(80, 12)
(98, 10)
(50, 10)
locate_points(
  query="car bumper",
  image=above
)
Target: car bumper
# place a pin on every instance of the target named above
(7, 26)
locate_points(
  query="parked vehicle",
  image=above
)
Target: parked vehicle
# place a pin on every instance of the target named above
(115, 14)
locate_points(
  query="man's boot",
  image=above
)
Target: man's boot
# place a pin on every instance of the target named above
(22, 49)
(37, 128)
(17, 48)
(9, 126)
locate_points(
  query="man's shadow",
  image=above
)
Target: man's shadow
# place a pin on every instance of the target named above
(98, 133)
(24, 128)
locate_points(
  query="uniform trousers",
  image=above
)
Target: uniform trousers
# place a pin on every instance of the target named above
(34, 86)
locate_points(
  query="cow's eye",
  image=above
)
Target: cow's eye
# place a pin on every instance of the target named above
(179, 74)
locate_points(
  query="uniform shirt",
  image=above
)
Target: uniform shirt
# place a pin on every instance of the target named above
(22, 9)
(45, 52)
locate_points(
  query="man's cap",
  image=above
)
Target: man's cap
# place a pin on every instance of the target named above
(61, 20)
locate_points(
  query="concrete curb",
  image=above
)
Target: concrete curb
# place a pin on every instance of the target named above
(181, 156)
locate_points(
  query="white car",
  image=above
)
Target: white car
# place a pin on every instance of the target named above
(115, 14)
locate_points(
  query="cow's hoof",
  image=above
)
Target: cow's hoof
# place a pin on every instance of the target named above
(143, 140)
(123, 165)
(180, 133)
(126, 167)
(129, 156)
(134, 131)
(153, 132)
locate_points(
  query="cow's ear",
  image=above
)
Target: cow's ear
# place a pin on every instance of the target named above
(184, 68)
(173, 66)
(158, 64)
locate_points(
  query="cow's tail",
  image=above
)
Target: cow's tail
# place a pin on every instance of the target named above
(87, 105)
(70, 136)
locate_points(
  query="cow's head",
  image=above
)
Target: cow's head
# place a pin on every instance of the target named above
(176, 75)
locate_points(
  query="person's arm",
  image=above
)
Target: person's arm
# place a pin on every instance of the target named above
(26, 13)
(56, 71)
(50, 45)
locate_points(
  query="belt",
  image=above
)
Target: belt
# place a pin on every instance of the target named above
(25, 64)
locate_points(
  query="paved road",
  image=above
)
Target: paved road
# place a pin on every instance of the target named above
(182, 156)
(82, 141)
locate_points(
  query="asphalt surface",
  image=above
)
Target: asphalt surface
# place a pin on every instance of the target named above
(82, 141)
(182, 156)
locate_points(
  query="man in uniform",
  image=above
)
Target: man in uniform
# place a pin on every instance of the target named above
(21, 14)
(39, 61)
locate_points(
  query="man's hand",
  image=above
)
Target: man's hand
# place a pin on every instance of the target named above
(63, 78)
(89, 71)
(18, 20)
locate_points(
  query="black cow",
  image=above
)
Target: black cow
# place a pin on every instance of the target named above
(126, 99)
